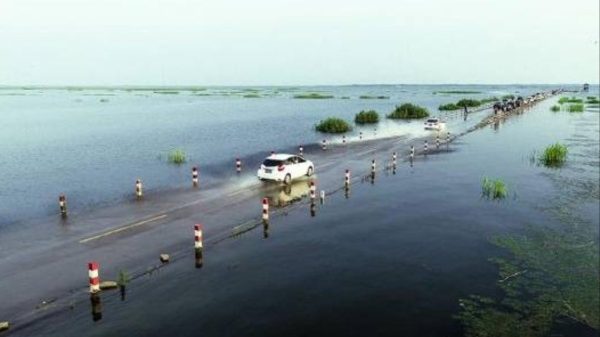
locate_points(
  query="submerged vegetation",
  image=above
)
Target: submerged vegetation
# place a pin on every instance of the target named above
(312, 95)
(457, 92)
(564, 100)
(333, 125)
(592, 100)
(251, 96)
(494, 189)
(366, 117)
(575, 108)
(177, 156)
(554, 155)
(555, 108)
(373, 97)
(408, 111)
(469, 103)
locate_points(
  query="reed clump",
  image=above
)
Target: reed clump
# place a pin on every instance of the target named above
(177, 156)
(312, 95)
(333, 125)
(457, 92)
(564, 100)
(373, 97)
(408, 111)
(555, 108)
(494, 189)
(366, 117)
(554, 155)
(575, 107)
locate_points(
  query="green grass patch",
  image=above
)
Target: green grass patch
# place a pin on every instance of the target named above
(592, 100)
(448, 107)
(575, 107)
(373, 97)
(333, 125)
(408, 111)
(554, 155)
(345, 97)
(312, 95)
(366, 117)
(564, 100)
(177, 156)
(555, 108)
(457, 92)
(494, 189)
(251, 96)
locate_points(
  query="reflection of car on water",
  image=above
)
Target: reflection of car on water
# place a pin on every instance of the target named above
(285, 167)
(434, 124)
(288, 194)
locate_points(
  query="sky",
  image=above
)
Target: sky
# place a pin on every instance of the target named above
(279, 42)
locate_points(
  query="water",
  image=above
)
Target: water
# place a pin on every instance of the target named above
(395, 257)
(70, 141)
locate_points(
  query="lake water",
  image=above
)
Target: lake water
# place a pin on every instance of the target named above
(408, 254)
(93, 144)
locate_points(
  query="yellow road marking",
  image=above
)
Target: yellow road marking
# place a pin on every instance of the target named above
(120, 229)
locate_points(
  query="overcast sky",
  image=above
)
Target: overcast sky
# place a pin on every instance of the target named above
(224, 42)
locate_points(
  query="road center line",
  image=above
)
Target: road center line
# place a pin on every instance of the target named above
(120, 229)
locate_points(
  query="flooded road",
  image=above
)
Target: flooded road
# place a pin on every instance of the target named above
(396, 254)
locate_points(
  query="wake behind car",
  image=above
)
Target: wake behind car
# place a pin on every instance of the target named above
(285, 167)
(434, 124)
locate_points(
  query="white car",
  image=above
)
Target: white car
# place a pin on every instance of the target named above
(434, 124)
(285, 167)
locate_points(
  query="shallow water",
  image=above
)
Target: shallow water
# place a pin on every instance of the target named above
(394, 257)
(73, 142)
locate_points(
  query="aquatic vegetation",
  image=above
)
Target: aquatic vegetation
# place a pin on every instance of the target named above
(123, 278)
(333, 125)
(408, 111)
(167, 92)
(457, 92)
(564, 100)
(312, 95)
(373, 97)
(345, 97)
(448, 107)
(251, 96)
(592, 100)
(177, 156)
(469, 103)
(554, 155)
(366, 117)
(575, 108)
(493, 189)
(555, 108)
(508, 96)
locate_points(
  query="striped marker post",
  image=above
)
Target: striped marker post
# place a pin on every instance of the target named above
(322, 197)
(344, 139)
(238, 165)
(94, 277)
(198, 237)
(394, 157)
(373, 165)
(324, 145)
(301, 150)
(437, 141)
(139, 192)
(412, 152)
(195, 180)
(425, 147)
(448, 137)
(313, 191)
(360, 135)
(265, 209)
(62, 205)
(347, 179)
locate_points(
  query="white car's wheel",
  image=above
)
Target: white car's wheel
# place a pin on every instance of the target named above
(309, 172)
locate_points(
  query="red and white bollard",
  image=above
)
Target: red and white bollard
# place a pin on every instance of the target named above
(347, 179)
(344, 139)
(425, 147)
(139, 192)
(198, 236)
(94, 277)
(195, 180)
(238, 165)
(412, 152)
(265, 209)
(373, 166)
(448, 137)
(313, 191)
(62, 204)
(324, 145)
(301, 150)
(394, 159)
(360, 135)
(437, 141)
